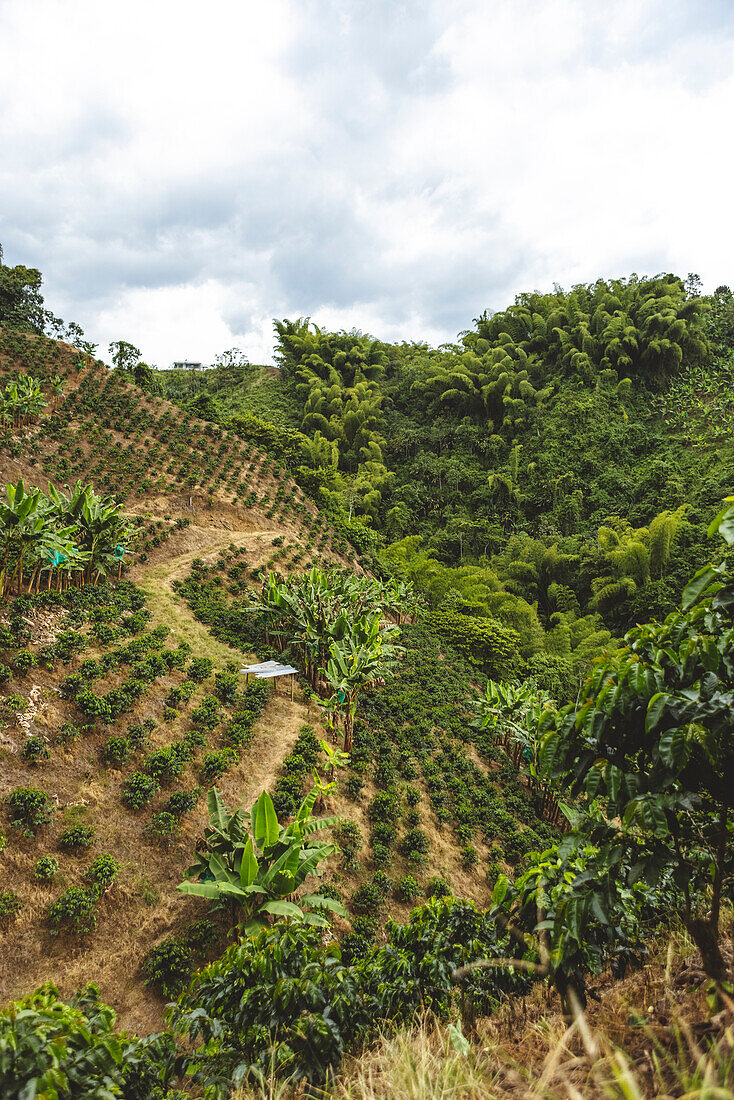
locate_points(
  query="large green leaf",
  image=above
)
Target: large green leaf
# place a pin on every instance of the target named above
(209, 890)
(282, 909)
(265, 822)
(218, 813)
(697, 586)
(249, 866)
(655, 709)
(674, 748)
(320, 901)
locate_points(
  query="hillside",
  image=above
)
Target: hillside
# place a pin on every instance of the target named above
(194, 491)
(449, 545)
(211, 513)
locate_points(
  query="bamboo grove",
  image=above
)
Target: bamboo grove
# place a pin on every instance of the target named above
(60, 539)
(336, 624)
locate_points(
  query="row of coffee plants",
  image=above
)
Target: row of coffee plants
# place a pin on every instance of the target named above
(278, 1003)
(421, 729)
(73, 538)
(126, 437)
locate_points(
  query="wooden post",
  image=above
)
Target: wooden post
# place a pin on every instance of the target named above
(292, 684)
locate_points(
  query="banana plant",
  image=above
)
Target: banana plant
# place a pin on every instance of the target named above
(257, 870)
(21, 522)
(335, 758)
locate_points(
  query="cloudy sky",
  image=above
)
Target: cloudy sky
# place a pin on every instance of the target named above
(184, 172)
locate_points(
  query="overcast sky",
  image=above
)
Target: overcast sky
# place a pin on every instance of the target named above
(184, 172)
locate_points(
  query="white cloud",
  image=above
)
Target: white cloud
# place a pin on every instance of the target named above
(183, 174)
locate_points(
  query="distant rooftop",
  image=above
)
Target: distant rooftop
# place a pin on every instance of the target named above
(187, 364)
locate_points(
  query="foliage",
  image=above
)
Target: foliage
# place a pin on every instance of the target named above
(77, 836)
(69, 1050)
(29, 808)
(76, 536)
(255, 870)
(74, 911)
(481, 640)
(103, 872)
(35, 749)
(10, 906)
(284, 1001)
(649, 751)
(139, 789)
(169, 964)
(334, 622)
(46, 867)
(162, 827)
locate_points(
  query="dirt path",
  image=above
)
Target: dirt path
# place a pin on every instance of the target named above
(143, 907)
(169, 609)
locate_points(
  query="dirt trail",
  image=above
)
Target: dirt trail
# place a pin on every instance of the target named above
(168, 609)
(144, 907)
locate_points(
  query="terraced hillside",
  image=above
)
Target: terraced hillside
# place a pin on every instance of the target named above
(193, 491)
(123, 704)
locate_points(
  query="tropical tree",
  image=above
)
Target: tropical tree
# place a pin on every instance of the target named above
(649, 753)
(76, 534)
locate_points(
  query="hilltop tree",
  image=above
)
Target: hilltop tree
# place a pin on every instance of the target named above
(21, 301)
(124, 356)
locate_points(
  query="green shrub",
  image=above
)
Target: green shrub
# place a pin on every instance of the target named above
(46, 867)
(207, 714)
(68, 1049)
(438, 887)
(164, 765)
(384, 807)
(139, 790)
(162, 828)
(75, 911)
(367, 899)
(182, 802)
(412, 796)
(217, 763)
(366, 926)
(349, 838)
(30, 808)
(383, 833)
(103, 872)
(115, 752)
(354, 786)
(414, 846)
(35, 749)
(226, 685)
(407, 888)
(67, 734)
(24, 661)
(381, 883)
(168, 965)
(381, 855)
(199, 669)
(469, 857)
(77, 836)
(10, 906)
(137, 737)
(494, 870)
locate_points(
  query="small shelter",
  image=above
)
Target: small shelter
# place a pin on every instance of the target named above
(270, 670)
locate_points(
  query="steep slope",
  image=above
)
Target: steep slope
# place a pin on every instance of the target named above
(193, 491)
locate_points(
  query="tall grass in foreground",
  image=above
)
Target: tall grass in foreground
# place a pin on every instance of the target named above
(430, 1062)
